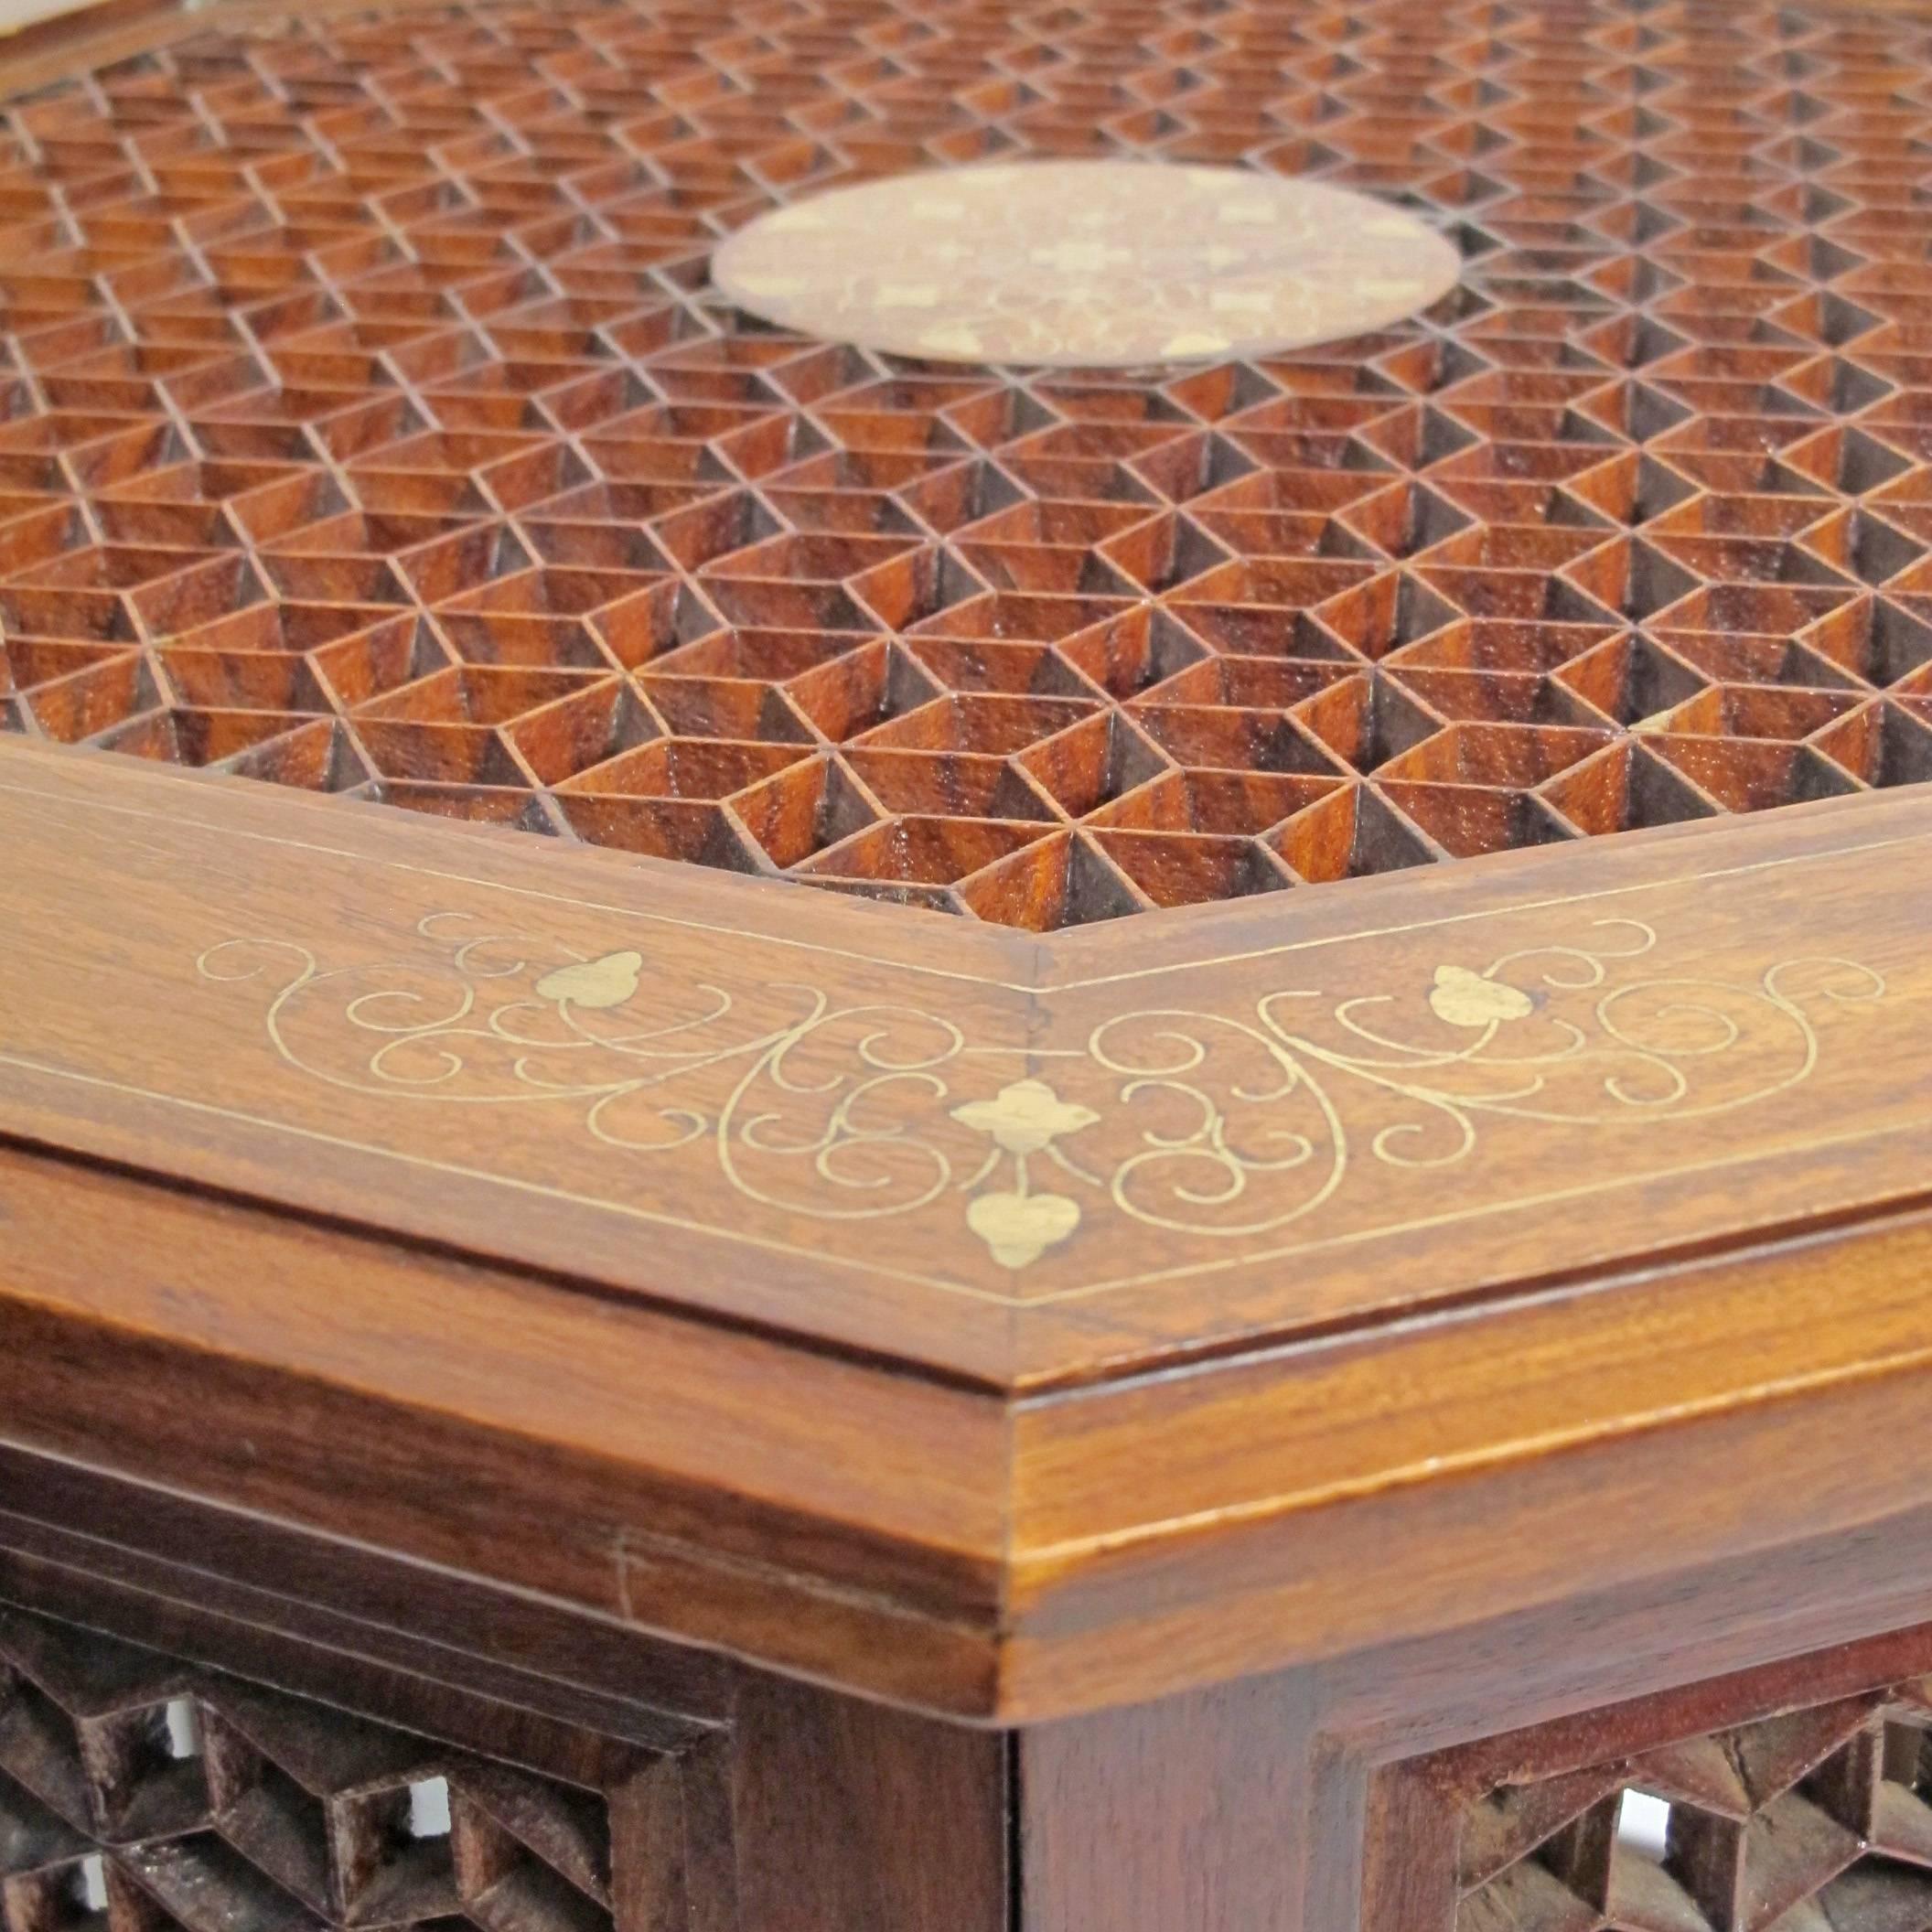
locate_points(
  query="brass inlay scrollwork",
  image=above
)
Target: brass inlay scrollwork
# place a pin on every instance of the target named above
(1222, 1124)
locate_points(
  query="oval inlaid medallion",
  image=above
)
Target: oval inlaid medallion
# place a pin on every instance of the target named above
(1086, 263)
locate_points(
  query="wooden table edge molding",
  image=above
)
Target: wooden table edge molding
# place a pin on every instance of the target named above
(978, 1518)
(1104, 1480)
(548, 1390)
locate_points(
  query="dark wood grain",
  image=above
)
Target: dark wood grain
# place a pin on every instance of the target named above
(166, 1556)
(209, 957)
(128, 1383)
(1527, 1826)
(693, 1419)
(1315, 1799)
(289, 1780)
(867, 1820)
(1191, 1812)
(1136, 1428)
(791, 1810)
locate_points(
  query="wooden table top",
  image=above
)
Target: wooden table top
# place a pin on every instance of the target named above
(374, 428)
(1037, 1305)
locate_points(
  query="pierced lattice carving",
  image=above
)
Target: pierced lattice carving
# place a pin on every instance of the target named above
(370, 426)
(139, 1794)
(1817, 1819)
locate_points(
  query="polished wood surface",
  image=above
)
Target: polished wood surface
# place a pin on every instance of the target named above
(1006, 1325)
(1792, 1794)
(811, 1417)
(1190, 1812)
(634, 1456)
(1329, 1796)
(363, 1016)
(1060, 1523)
(405, 442)
(241, 1759)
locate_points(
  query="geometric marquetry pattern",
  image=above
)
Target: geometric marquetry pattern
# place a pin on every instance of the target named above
(138, 1793)
(370, 425)
(1817, 1820)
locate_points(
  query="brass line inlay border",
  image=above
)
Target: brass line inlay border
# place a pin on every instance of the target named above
(458, 1172)
(1045, 943)
(1031, 1183)
(807, 1106)
(1517, 1205)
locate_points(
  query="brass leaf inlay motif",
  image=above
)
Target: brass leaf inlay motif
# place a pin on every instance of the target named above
(1216, 1124)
